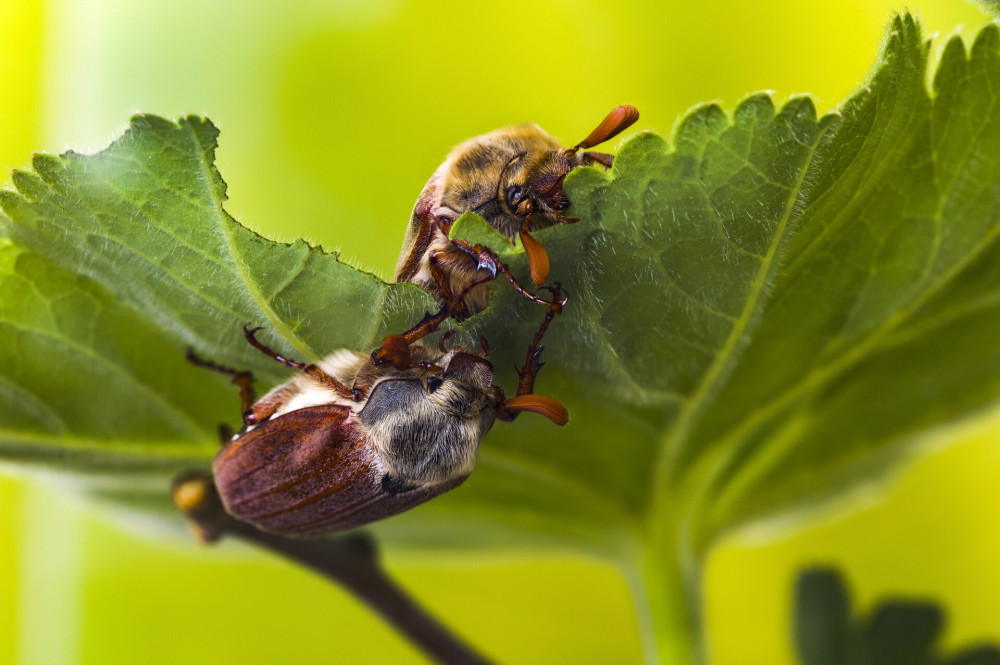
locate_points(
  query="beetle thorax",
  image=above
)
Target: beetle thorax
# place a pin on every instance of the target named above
(424, 446)
(428, 430)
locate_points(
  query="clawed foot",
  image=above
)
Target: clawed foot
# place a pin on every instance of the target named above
(560, 297)
(484, 258)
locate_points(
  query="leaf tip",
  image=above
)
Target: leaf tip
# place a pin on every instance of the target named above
(700, 124)
(201, 126)
(29, 184)
(904, 36)
(48, 166)
(150, 121)
(758, 105)
(987, 43)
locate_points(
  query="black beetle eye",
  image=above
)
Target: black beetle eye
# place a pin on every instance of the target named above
(434, 382)
(512, 194)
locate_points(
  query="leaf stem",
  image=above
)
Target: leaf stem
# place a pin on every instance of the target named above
(350, 561)
(666, 616)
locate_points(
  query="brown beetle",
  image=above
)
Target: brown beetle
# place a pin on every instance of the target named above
(348, 441)
(512, 178)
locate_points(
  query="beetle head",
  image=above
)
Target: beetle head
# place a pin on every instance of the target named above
(530, 186)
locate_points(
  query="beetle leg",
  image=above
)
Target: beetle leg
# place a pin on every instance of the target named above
(265, 407)
(508, 408)
(532, 362)
(395, 348)
(484, 255)
(243, 380)
(226, 433)
(441, 266)
(254, 410)
(485, 259)
(440, 275)
(312, 370)
(444, 338)
(567, 220)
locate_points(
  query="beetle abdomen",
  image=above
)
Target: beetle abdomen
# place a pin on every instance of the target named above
(308, 472)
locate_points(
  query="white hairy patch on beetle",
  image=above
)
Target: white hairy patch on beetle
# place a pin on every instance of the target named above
(302, 391)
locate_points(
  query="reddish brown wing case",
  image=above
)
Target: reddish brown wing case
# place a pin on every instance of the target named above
(308, 472)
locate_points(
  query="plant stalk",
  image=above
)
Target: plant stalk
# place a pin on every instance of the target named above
(350, 561)
(668, 617)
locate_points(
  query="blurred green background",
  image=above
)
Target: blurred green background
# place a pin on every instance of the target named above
(333, 115)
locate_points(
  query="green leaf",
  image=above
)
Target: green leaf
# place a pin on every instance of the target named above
(471, 227)
(897, 632)
(763, 312)
(884, 309)
(822, 612)
(71, 352)
(144, 219)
